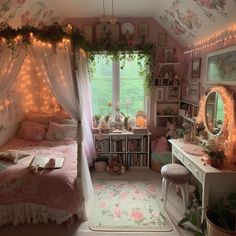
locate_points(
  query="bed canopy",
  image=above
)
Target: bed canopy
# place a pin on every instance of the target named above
(63, 67)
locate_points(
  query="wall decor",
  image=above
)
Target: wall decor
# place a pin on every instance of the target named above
(173, 93)
(109, 32)
(184, 88)
(196, 68)
(193, 90)
(143, 29)
(162, 39)
(159, 94)
(88, 32)
(221, 66)
(127, 30)
(168, 55)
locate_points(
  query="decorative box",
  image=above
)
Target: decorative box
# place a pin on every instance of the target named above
(95, 130)
(105, 131)
(140, 130)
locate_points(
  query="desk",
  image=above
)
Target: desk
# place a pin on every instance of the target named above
(213, 181)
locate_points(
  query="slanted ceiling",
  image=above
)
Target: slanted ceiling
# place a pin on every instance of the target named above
(188, 21)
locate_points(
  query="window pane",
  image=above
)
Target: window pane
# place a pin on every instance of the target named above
(131, 88)
(101, 85)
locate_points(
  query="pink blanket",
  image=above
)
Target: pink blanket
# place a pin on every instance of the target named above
(52, 188)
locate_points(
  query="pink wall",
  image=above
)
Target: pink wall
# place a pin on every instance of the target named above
(154, 29)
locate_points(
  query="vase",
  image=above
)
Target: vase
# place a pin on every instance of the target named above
(216, 163)
(187, 137)
(126, 120)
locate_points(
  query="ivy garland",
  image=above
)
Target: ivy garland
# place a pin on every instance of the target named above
(55, 33)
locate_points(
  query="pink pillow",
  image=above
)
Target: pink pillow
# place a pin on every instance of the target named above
(161, 146)
(61, 132)
(34, 133)
(33, 125)
(42, 118)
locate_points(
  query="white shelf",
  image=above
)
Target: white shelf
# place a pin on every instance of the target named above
(132, 150)
(166, 116)
(188, 118)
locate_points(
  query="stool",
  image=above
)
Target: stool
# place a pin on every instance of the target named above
(175, 174)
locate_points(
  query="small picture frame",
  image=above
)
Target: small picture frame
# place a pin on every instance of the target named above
(159, 94)
(88, 32)
(184, 89)
(112, 31)
(162, 39)
(173, 93)
(168, 54)
(196, 68)
(143, 29)
(193, 90)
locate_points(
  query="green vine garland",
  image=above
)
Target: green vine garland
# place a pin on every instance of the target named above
(55, 33)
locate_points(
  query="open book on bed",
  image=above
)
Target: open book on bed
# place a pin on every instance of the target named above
(43, 162)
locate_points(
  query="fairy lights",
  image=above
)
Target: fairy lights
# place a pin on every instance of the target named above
(223, 37)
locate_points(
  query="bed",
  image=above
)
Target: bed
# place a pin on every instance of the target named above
(49, 194)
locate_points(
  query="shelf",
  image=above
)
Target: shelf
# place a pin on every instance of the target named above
(188, 118)
(190, 103)
(166, 116)
(168, 63)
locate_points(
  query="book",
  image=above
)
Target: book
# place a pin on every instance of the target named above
(42, 162)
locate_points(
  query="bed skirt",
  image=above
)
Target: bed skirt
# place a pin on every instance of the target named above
(26, 213)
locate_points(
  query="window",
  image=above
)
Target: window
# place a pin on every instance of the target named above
(120, 85)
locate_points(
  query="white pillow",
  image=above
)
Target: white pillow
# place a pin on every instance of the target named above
(61, 132)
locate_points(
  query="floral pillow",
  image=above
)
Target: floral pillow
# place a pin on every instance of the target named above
(32, 125)
(61, 132)
(34, 133)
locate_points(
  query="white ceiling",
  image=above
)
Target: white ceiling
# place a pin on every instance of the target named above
(187, 20)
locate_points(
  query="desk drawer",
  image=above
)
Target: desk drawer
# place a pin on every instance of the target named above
(177, 154)
(195, 170)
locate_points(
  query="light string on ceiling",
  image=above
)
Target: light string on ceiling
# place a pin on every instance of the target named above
(110, 19)
(223, 37)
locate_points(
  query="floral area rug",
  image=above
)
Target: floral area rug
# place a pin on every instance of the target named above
(127, 205)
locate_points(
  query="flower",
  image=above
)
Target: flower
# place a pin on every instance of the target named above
(187, 127)
(214, 149)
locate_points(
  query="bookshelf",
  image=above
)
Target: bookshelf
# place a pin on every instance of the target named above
(129, 149)
(188, 110)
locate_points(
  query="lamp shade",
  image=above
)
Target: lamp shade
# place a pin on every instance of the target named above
(141, 119)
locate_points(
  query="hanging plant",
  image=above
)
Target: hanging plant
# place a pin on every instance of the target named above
(55, 33)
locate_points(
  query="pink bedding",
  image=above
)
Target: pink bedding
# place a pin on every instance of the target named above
(55, 188)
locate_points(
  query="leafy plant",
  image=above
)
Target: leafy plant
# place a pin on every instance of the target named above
(223, 212)
(97, 117)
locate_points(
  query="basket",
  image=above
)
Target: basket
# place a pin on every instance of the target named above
(100, 166)
(156, 165)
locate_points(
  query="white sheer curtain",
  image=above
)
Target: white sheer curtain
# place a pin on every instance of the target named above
(86, 104)
(10, 64)
(56, 64)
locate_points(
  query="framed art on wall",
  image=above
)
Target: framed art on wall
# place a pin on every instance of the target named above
(88, 32)
(221, 67)
(143, 29)
(162, 39)
(196, 68)
(107, 32)
(193, 90)
(173, 93)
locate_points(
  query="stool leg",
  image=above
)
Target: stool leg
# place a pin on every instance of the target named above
(187, 194)
(166, 185)
(162, 188)
(183, 193)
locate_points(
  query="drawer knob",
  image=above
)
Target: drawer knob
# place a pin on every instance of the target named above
(196, 171)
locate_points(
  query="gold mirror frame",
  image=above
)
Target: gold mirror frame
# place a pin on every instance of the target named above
(229, 118)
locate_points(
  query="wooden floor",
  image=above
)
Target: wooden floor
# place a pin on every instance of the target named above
(174, 210)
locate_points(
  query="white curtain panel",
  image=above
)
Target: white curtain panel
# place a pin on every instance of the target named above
(86, 102)
(10, 64)
(56, 65)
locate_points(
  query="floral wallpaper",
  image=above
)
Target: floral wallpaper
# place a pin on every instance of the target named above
(182, 21)
(212, 8)
(21, 12)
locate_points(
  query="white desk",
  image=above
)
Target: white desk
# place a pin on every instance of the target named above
(213, 181)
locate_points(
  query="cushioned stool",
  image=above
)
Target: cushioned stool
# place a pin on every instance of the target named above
(175, 174)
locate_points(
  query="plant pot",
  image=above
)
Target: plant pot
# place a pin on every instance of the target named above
(216, 163)
(187, 137)
(213, 229)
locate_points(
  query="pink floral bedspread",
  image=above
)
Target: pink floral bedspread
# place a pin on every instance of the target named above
(52, 188)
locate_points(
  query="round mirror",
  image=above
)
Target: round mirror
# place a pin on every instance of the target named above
(214, 113)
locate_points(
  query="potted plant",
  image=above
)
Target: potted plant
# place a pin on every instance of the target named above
(97, 117)
(221, 216)
(215, 153)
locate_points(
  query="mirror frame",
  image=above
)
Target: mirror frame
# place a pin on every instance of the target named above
(229, 117)
(223, 127)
